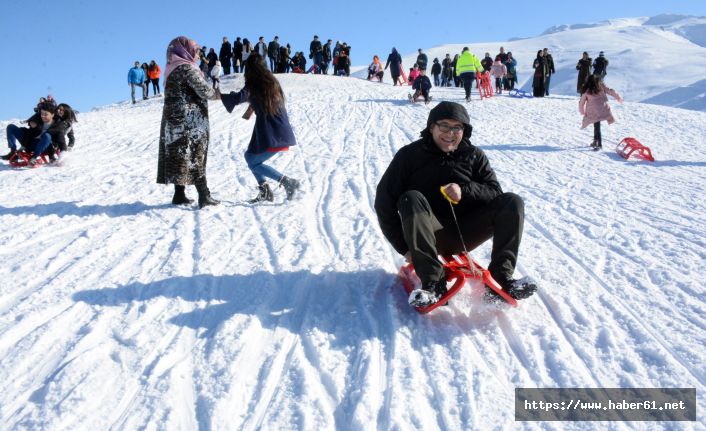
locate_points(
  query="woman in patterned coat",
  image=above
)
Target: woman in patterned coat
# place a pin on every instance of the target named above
(184, 133)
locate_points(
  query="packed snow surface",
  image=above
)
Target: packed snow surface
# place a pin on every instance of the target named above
(121, 311)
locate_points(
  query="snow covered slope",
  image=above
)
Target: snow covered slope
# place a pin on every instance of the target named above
(660, 60)
(120, 311)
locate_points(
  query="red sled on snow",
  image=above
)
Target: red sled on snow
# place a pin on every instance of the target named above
(628, 146)
(458, 269)
(403, 75)
(485, 88)
(21, 159)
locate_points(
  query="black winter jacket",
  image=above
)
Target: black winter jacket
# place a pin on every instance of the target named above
(226, 52)
(422, 166)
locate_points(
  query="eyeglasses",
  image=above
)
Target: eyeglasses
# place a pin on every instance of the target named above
(445, 128)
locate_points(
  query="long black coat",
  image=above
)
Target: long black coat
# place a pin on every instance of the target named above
(394, 60)
(422, 166)
(584, 68)
(184, 133)
(225, 53)
(539, 80)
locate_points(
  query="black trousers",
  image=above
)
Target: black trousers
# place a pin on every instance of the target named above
(597, 132)
(468, 78)
(427, 237)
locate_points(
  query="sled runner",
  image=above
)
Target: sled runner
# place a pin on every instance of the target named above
(519, 94)
(628, 146)
(459, 269)
(21, 159)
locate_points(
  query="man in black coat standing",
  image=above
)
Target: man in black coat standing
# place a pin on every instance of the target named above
(327, 57)
(237, 54)
(418, 220)
(316, 53)
(550, 69)
(225, 54)
(273, 53)
(422, 59)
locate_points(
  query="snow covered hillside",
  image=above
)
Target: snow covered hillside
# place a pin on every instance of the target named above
(659, 60)
(121, 311)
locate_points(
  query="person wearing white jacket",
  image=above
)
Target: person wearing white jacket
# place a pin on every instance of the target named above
(498, 70)
(216, 75)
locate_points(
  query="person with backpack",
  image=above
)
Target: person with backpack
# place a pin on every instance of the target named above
(436, 71)
(550, 69)
(584, 68)
(136, 78)
(394, 61)
(153, 74)
(420, 222)
(272, 133)
(594, 106)
(467, 66)
(600, 65)
(224, 55)
(184, 132)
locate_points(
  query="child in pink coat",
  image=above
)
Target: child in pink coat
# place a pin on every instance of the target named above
(594, 106)
(413, 73)
(498, 70)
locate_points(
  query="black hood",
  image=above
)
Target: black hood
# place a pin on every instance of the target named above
(451, 111)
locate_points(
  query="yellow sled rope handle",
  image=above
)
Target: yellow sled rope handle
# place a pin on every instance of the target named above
(448, 198)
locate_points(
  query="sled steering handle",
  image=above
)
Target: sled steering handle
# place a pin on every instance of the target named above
(448, 198)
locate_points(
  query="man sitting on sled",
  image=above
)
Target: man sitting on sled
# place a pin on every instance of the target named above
(419, 221)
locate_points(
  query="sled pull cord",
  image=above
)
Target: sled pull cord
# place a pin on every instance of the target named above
(458, 228)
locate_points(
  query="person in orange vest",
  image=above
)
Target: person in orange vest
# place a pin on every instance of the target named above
(153, 73)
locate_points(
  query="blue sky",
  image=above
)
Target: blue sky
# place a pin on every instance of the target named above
(80, 51)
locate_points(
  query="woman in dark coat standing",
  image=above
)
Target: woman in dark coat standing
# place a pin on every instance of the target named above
(540, 75)
(584, 68)
(272, 133)
(394, 60)
(184, 133)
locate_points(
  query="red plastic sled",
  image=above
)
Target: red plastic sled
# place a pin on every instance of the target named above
(21, 160)
(458, 269)
(485, 88)
(628, 146)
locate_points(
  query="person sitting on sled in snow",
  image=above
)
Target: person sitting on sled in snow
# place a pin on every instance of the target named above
(421, 87)
(418, 220)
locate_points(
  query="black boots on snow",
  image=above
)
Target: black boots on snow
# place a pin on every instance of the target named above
(291, 186)
(205, 198)
(9, 155)
(264, 193)
(180, 196)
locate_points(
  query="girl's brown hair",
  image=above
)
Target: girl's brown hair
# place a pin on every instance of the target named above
(263, 87)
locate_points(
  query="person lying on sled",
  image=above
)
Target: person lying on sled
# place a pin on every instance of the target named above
(417, 219)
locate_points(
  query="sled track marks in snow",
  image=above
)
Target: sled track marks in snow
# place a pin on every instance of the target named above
(618, 303)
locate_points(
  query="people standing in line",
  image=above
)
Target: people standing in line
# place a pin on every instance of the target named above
(540, 74)
(153, 74)
(237, 55)
(146, 72)
(511, 75)
(184, 132)
(272, 133)
(375, 69)
(550, 69)
(136, 78)
(600, 65)
(327, 57)
(225, 55)
(422, 59)
(446, 71)
(584, 67)
(418, 222)
(498, 70)
(467, 66)
(594, 106)
(436, 71)
(273, 53)
(486, 62)
(316, 52)
(394, 61)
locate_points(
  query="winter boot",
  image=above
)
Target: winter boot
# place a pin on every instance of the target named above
(9, 155)
(518, 289)
(291, 186)
(429, 294)
(180, 196)
(264, 193)
(205, 198)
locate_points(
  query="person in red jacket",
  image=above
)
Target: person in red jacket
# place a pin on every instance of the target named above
(153, 73)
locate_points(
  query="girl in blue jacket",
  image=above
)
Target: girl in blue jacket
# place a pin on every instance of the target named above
(272, 133)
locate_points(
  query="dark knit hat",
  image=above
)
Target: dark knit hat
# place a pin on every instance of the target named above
(451, 111)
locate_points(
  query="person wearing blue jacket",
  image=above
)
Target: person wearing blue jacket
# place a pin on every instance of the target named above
(272, 133)
(136, 77)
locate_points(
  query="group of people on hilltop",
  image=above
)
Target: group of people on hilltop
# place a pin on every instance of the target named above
(45, 133)
(543, 66)
(587, 67)
(141, 76)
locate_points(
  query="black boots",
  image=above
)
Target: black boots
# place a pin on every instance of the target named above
(9, 155)
(180, 196)
(291, 186)
(205, 198)
(264, 193)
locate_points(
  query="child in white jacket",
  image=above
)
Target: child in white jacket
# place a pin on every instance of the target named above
(498, 70)
(216, 75)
